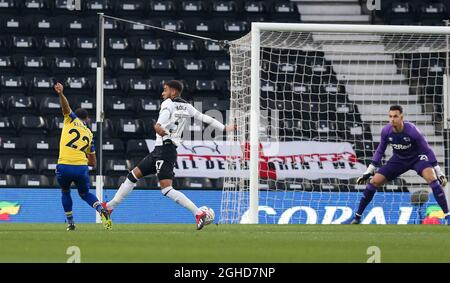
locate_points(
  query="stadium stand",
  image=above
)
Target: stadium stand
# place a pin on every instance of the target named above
(43, 42)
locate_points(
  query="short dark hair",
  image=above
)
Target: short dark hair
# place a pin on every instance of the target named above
(396, 107)
(81, 113)
(177, 85)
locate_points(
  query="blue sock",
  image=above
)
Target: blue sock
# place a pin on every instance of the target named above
(66, 200)
(92, 200)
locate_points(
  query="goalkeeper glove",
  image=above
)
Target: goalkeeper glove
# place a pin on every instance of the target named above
(366, 175)
(440, 176)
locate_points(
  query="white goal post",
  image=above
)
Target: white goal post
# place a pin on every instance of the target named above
(397, 48)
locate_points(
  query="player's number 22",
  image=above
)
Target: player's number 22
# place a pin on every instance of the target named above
(77, 137)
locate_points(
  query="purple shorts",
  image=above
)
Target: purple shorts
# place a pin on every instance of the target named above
(396, 166)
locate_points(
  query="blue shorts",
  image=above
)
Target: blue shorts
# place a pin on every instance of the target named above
(79, 174)
(396, 166)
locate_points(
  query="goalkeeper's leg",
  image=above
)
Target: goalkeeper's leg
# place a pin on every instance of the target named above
(438, 192)
(377, 181)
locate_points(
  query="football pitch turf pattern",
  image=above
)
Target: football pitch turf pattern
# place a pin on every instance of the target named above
(181, 243)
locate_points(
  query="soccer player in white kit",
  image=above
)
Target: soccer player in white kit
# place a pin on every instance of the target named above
(172, 118)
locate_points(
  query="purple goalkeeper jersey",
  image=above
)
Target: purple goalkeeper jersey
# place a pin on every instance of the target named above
(407, 144)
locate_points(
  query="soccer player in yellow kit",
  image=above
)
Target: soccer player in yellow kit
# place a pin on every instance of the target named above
(76, 152)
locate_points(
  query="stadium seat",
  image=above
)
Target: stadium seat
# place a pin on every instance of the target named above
(89, 65)
(21, 105)
(119, 106)
(129, 128)
(9, 6)
(113, 27)
(7, 127)
(108, 182)
(112, 87)
(8, 65)
(432, 13)
(20, 165)
(137, 148)
(254, 11)
(400, 13)
(69, 66)
(161, 67)
(12, 85)
(85, 45)
(43, 146)
(118, 46)
(148, 107)
(55, 46)
(36, 7)
(7, 181)
(44, 25)
(41, 87)
(172, 24)
(55, 125)
(92, 7)
(30, 125)
(221, 67)
(129, 66)
(108, 128)
(47, 166)
(162, 8)
(140, 87)
(12, 146)
(113, 147)
(77, 85)
(224, 9)
(146, 46)
(13, 24)
(213, 49)
(74, 25)
(130, 9)
(193, 9)
(196, 68)
(35, 65)
(201, 26)
(284, 11)
(85, 102)
(50, 106)
(117, 167)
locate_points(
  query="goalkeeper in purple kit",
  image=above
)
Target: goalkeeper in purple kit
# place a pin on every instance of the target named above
(411, 151)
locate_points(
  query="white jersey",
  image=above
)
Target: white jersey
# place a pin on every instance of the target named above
(173, 117)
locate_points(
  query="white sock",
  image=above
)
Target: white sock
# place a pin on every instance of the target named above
(124, 189)
(180, 198)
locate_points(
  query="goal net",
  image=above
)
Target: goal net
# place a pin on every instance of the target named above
(310, 107)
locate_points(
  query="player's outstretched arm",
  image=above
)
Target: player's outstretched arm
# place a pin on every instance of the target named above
(65, 107)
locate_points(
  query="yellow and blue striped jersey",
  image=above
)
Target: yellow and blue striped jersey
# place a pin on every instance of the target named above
(76, 140)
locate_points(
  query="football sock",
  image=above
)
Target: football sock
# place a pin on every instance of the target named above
(69, 216)
(439, 195)
(66, 200)
(89, 198)
(367, 197)
(97, 206)
(124, 189)
(181, 199)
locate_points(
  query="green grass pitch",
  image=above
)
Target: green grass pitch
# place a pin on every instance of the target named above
(224, 243)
